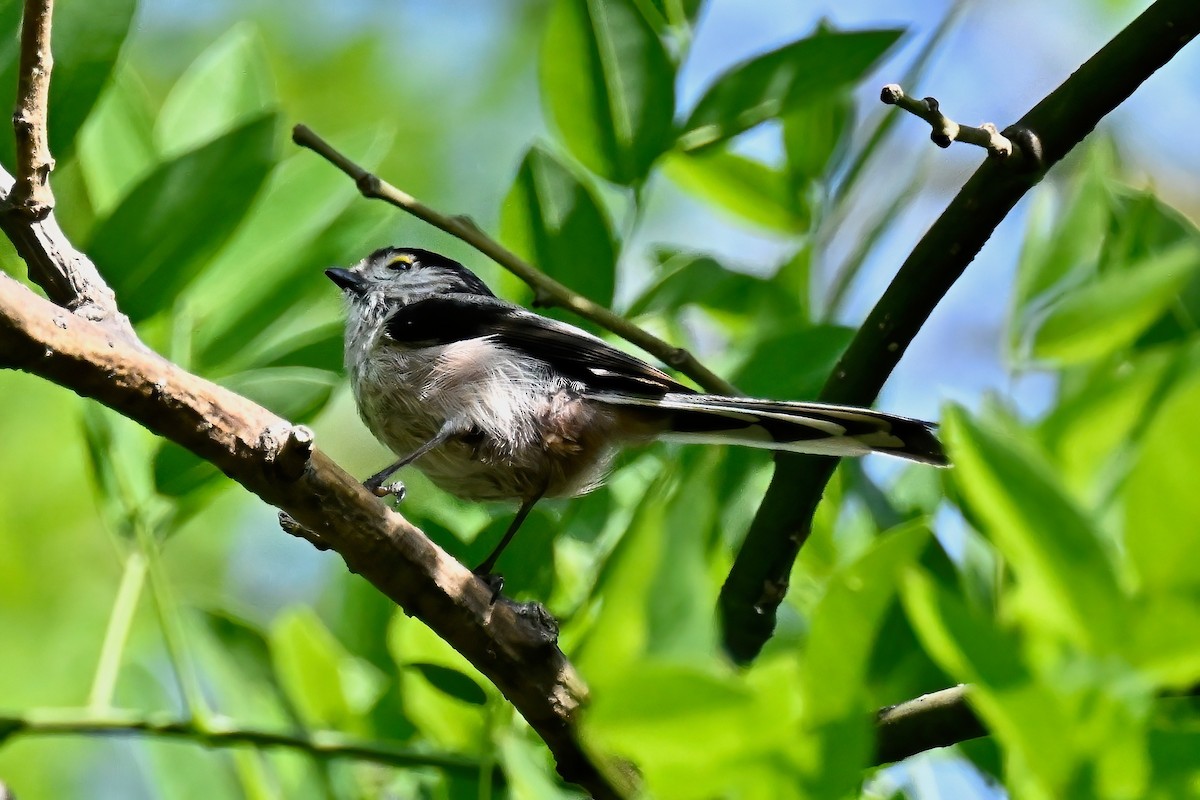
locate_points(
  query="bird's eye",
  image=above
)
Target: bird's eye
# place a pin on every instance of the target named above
(402, 262)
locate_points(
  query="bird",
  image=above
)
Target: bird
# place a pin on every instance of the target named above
(492, 401)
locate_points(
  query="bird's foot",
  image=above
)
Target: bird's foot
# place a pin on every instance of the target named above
(492, 581)
(396, 489)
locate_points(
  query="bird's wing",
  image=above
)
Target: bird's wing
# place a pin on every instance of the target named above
(568, 350)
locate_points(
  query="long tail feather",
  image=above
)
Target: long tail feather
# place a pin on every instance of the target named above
(798, 427)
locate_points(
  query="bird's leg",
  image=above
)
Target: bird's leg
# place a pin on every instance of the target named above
(375, 483)
(484, 570)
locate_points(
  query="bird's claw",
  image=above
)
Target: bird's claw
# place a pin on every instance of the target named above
(493, 582)
(396, 488)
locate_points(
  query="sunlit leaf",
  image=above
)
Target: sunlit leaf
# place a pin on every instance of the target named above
(116, 146)
(678, 12)
(761, 89)
(327, 686)
(794, 363)
(555, 221)
(164, 231)
(691, 732)
(1110, 312)
(226, 86)
(1025, 715)
(303, 221)
(816, 135)
(1058, 250)
(1162, 506)
(321, 348)
(747, 189)
(843, 631)
(703, 281)
(87, 38)
(453, 718)
(609, 86)
(1065, 577)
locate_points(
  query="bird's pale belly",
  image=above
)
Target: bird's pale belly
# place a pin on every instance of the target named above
(549, 442)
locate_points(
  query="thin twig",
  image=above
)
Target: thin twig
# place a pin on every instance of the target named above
(937, 719)
(32, 196)
(547, 290)
(945, 130)
(321, 744)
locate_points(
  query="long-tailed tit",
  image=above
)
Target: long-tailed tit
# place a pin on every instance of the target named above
(493, 402)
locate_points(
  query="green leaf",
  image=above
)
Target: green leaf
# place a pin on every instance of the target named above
(816, 136)
(747, 189)
(1057, 252)
(844, 628)
(1145, 225)
(327, 686)
(693, 733)
(299, 224)
(1065, 578)
(1023, 714)
(678, 12)
(609, 86)
(554, 220)
(116, 146)
(178, 471)
(87, 39)
(294, 393)
(88, 35)
(227, 85)
(452, 682)
(700, 280)
(1162, 505)
(165, 230)
(1109, 313)
(453, 719)
(321, 348)
(755, 91)
(776, 369)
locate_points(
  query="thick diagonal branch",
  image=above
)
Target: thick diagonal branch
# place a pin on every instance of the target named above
(759, 577)
(513, 645)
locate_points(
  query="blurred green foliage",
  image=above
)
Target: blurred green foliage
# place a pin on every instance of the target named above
(1062, 581)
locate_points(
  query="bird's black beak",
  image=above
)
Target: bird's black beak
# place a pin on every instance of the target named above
(347, 281)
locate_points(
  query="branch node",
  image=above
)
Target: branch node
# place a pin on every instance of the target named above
(541, 626)
(468, 223)
(1029, 154)
(291, 452)
(368, 184)
(290, 526)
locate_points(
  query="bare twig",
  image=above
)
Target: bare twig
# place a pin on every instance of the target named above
(938, 719)
(321, 744)
(752, 592)
(546, 290)
(31, 196)
(68, 278)
(945, 130)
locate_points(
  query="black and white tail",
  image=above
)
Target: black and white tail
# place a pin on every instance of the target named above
(799, 427)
